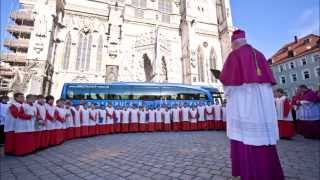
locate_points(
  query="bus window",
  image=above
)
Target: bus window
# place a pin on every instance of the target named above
(117, 92)
(169, 93)
(146, 93)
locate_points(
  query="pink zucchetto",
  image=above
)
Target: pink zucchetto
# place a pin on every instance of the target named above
(238, 34)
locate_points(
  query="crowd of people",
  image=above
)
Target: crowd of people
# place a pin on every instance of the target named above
(34, 122)
(301, 114)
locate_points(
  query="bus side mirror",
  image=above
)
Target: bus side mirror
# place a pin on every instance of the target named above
(215, 73)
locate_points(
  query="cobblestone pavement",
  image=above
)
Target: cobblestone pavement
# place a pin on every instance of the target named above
(139, 156)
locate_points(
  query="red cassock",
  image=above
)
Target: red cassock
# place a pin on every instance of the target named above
(60, 133)
(92, 128)
(84, 127)
(23, 137)
(110, 127)
(117, 124)
(286, 127)
(176, 126)
(9, 143)
(185, 125)
(167, 127)
(126, 118)
(210, 122)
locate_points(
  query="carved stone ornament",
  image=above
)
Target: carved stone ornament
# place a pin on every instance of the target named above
(85, 29)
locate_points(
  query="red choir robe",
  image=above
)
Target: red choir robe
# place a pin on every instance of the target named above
(134, 123)
(125, 119)
(24, 129)
(285, 121)
(42, 135)
(92, 122)
(176, 118)
(167, 120)
(117, 121)
(9, 127)
(193, 116)
(69, 132)
(110, 120)
(142, 121)
(84, 119)
(209, 114)
(202, 125)
(151, 120)
(308, 122)
(185, 119)
(50, 124)
(77, 123)
(60, 117)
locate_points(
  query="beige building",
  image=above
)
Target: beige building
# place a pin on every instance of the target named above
(59, 41)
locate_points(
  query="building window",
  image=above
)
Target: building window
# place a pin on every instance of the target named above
(99, 53)
(283, 79)
(165, 6)
(292, 65)
(306, 74)
(66, 58)
(303, 61)
(140, 5)
(317, 71)
(293, 77)
(194, 79)
(84, 52)
(281, 68)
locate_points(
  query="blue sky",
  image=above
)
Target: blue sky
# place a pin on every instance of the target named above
(269, 24)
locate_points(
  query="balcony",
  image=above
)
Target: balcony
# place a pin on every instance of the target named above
(13, 57)
(16, 43)
(22, 14)
(13, 28)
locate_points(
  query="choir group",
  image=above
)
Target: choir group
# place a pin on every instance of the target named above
(34, 122)
(301, 114)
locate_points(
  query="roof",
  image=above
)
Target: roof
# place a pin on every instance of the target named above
(297, 48)
(149, 84)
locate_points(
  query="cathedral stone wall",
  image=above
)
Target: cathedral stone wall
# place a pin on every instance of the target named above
(99, 41)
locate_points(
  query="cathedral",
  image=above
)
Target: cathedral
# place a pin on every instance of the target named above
(58, 41)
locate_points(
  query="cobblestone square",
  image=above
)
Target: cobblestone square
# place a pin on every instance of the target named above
(165, 155)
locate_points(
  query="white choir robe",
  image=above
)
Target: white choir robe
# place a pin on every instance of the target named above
(3, 116)
(167, 120)
(193, 113)
(117, 120)
(60, 117)
(84, 118)
(9, 125)
(50, 123)
(209, 112)
(185, 118)
(125, 121)
(24, 130)
(93, 116)
(110, 119)
(41, 135)
(102, 121)
(224, 117)
(134, 124)
(151, 120)
(159, 122)
(285, 120)
(176, 119)
(69, 131)
(202, 125)
(142, 121)
(77, 122)
(218, 116)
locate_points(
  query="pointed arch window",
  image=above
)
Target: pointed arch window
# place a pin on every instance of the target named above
(200, 57)
(213, 61)
(84, 52)
(66, 58)
(99, 53)
(79, 52)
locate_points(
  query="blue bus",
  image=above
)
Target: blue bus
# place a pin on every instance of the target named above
(123, 93)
